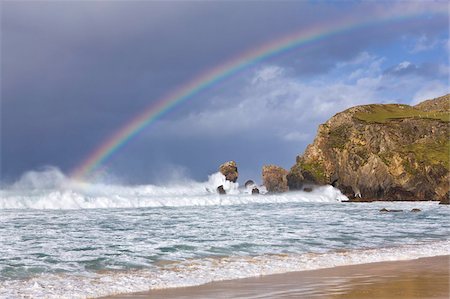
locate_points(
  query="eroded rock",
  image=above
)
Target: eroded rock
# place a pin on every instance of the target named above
(274, 178)
(230, 171)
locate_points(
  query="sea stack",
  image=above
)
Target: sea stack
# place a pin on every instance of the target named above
(274, 178)
(230, 171)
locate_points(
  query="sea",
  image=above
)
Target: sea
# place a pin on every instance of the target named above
(65, 239)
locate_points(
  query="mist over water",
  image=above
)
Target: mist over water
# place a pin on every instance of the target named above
(61, 238)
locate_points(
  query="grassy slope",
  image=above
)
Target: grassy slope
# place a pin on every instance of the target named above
(385, 113)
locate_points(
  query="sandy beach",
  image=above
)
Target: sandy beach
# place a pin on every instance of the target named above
(419, 278)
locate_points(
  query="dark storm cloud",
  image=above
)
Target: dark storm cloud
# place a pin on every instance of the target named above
(73, 72)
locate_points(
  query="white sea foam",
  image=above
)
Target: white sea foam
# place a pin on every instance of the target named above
(50, 189)
(201, 271)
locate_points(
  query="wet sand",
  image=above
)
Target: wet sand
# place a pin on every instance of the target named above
(419, 278)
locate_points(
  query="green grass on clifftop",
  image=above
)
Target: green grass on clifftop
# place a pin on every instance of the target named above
(385, 113)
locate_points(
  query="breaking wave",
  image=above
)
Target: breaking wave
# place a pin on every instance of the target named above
(51, 189)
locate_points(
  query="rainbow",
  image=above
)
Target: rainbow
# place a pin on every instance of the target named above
(225, 70)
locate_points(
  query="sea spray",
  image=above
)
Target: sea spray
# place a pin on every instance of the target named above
(50, 189)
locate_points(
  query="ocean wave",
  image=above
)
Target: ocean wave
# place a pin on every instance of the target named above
(201, 271)
(50, 189)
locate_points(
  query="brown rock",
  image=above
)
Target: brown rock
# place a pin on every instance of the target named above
(416, 210)
(274, 178)
(437, 104)
(229, 170)
(295, 178)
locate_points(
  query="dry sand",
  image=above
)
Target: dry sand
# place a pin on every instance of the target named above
(420, 278)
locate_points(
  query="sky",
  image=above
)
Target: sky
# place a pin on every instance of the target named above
(75, 72)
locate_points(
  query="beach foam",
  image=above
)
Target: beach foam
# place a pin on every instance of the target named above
(201, 271)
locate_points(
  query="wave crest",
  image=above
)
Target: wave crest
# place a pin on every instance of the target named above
(51, 189)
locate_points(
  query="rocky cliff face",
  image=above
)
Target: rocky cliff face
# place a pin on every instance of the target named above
(384, 152)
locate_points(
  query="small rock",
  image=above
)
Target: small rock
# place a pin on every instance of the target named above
(416, 210)
(393, 211)
(249, 183)
(220, 190)
(255, 191)
(307, 189)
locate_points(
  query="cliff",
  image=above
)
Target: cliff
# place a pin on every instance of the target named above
(381, 152)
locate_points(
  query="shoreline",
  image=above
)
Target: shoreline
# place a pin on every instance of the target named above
(426, 277)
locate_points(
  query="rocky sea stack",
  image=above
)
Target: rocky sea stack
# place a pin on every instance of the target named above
(381, 152)
(230, 171)
(275, 178)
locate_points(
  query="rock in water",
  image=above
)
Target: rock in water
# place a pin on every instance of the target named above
(221, 190)
(415, 210)
(229, 170)
(249, 183)
(295, 178)
(445, 200)
(274, 178)
(382, 152)
(384, 210)
(255, 191)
